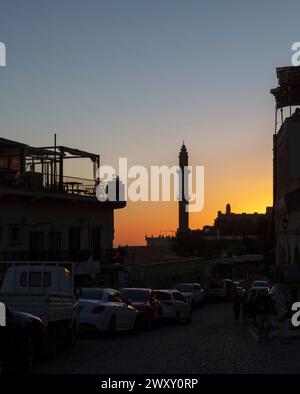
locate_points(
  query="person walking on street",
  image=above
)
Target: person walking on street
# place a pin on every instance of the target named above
(236, 302)
(263, 308)
(250, 305)
(244, 302)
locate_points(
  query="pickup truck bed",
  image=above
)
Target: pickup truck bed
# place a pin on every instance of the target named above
(49, 307)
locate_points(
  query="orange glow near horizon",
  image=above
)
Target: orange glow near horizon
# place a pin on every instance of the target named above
(148, 218)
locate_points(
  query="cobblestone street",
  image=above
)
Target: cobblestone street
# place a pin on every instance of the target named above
(210, 344)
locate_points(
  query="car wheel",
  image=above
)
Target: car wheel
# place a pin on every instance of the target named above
(177, 317)
(112, 326)
(193, 305)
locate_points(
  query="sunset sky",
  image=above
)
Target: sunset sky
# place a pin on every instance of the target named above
(133, 78)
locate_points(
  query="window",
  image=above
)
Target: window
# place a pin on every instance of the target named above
(119, 298)
(185, 288)
(135, 295)
(35, 279)
(116, 297)
(15, 234)
(54, 241)
(47, 279)
(96, 239)
(54, 245)
(162, 295)
(111, 298)
(74, 243)
(90, 294)
(23, 279)
(180, 297)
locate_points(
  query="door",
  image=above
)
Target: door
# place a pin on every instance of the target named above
(182, 305)
(74, 243)
(36, 245)
(54, 245)
(128, 313)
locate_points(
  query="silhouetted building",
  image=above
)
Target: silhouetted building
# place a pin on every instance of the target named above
(241, 224)
(287, 175)
(161, 240)
(183, 203)
(48, 216)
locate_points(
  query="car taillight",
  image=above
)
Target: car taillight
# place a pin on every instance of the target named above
(98, 309)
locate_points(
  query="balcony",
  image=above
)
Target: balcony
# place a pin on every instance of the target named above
(24, 168)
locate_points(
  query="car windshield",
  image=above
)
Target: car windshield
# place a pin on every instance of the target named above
(90, 294)
(162, 295)
(185, 288)
(260, 284)
(136, 295)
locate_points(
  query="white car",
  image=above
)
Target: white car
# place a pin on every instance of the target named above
(221, 289)
(193, 293)
(174, 306)
(106, 310)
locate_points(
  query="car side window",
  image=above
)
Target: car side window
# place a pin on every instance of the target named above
(111, 298)
(118, 298)
(152, 297)
(181, 297)
(176, 296)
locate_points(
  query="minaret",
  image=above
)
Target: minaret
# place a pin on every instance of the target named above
(228, 209)
(183, 214)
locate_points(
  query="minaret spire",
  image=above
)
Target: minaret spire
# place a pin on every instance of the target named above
(183, 203)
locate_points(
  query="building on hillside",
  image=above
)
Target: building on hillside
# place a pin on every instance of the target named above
(231, 224)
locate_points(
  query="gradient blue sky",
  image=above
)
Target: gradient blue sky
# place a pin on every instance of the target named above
(132, 78)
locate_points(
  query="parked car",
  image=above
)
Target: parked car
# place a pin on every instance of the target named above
(260, 286)
(44, 290)
(174, 305)
(21, 341)
(221, 289)
(146, 303)
(193, 293)
(106, 310)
